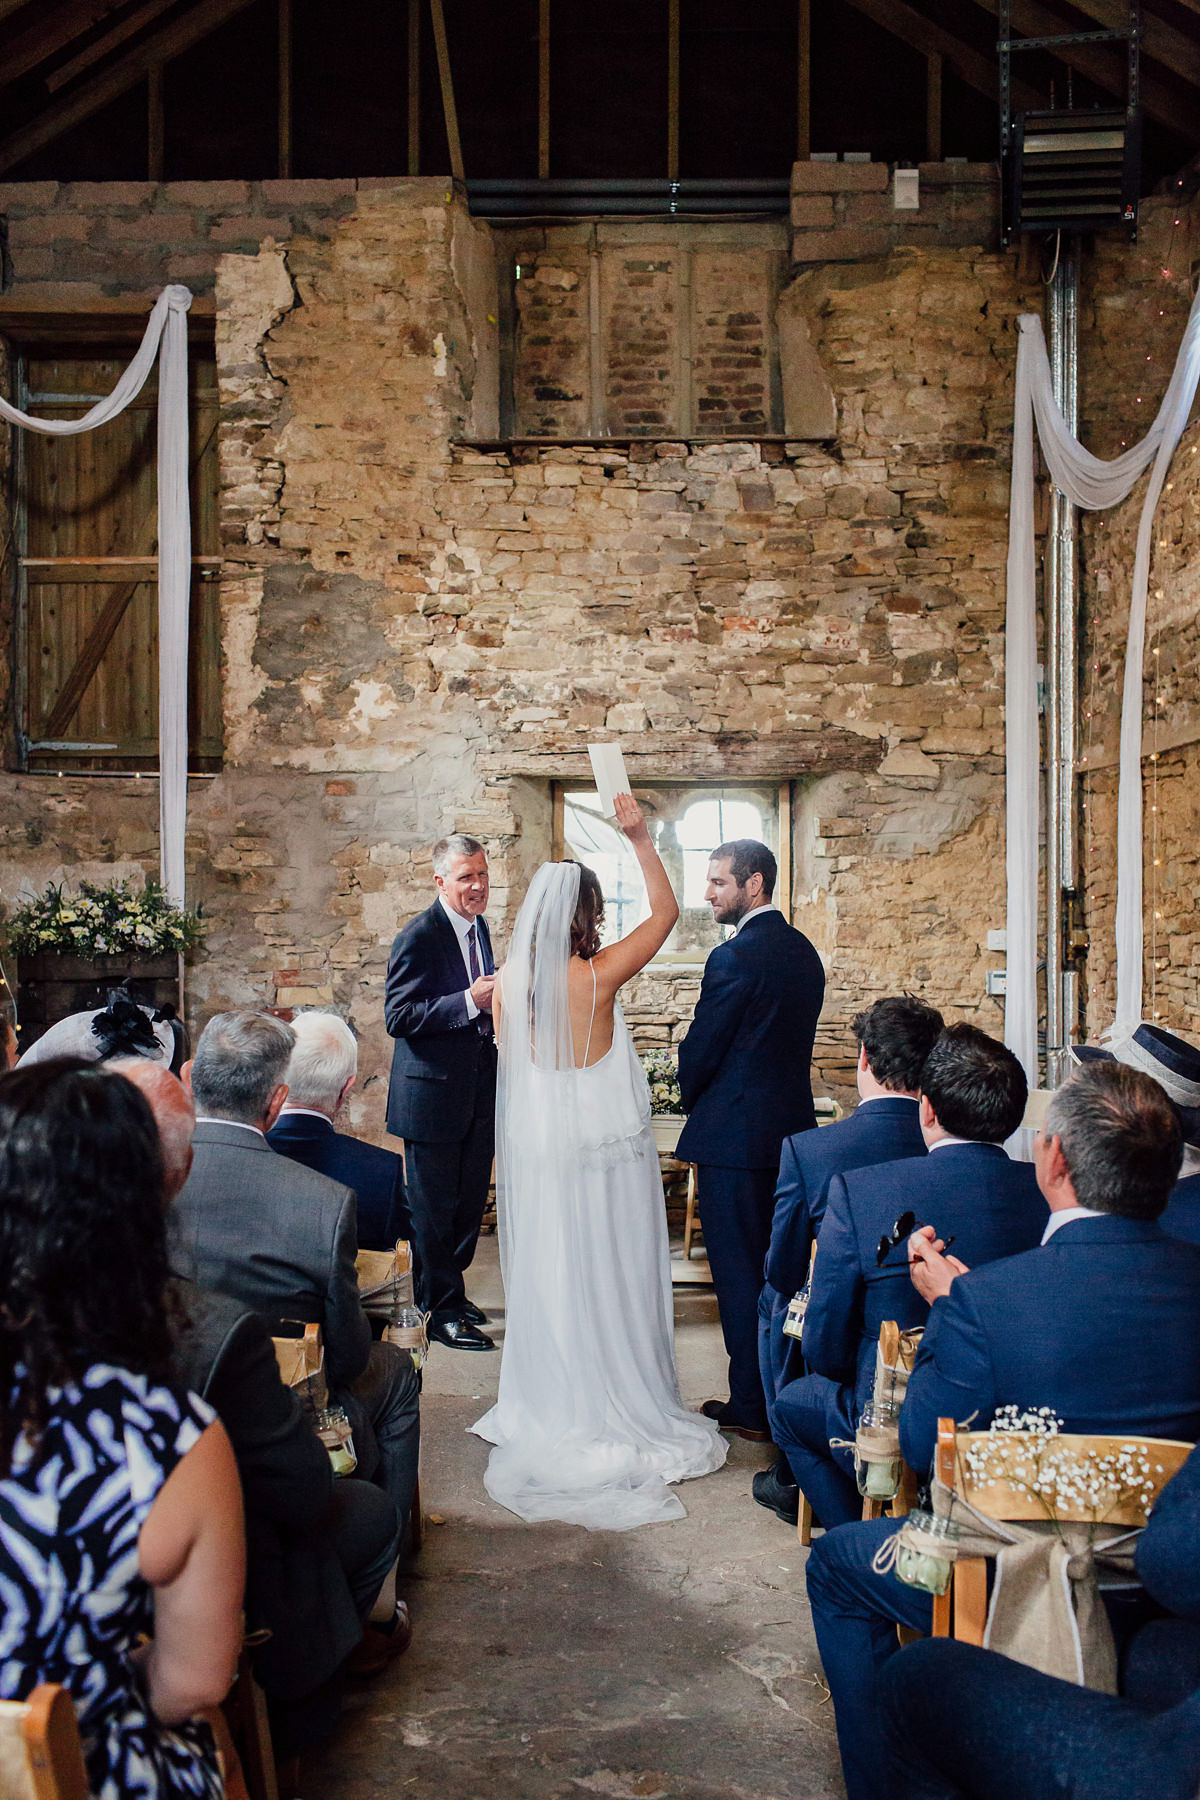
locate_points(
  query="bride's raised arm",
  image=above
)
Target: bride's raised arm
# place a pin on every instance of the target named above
(620, 961)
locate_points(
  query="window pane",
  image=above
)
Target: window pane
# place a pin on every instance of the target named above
(686, 824)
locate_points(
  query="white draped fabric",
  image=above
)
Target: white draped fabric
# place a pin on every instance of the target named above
(165, 338)
(1095, 485)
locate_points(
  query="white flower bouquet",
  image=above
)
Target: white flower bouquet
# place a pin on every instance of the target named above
(1022, 1451)
(663, 1078)
(111, 920)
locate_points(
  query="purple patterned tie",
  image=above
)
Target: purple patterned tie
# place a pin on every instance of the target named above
(473, 954)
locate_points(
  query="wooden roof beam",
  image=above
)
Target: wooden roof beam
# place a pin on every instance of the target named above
(978, 71)
(1175, 50)
(1106, 66)
(132, 68)
(55, 29)
(104, 46)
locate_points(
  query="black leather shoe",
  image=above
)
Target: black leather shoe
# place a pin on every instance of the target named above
(718, 1411)
(778, 1496)
(460, 1334)
(475, 1315)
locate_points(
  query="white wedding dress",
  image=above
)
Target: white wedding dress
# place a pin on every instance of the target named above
(588, 1426)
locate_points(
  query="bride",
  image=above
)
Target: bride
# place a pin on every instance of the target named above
(588, 1426)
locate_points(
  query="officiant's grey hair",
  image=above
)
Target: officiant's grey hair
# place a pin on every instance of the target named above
(447, 848)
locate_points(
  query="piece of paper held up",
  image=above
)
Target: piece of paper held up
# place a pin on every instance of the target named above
(608, 769)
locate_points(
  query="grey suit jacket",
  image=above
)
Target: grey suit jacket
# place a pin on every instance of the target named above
(276, 1236)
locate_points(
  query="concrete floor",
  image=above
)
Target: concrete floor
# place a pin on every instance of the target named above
(547, 1661)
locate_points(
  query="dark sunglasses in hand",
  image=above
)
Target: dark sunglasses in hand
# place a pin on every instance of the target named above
(902, 1230)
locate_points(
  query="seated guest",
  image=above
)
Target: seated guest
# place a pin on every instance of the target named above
(966, 1724)
(1100, 1324)
(318, 1551)
(281, 1239)
(894, 1038)
(320, 1073)
(1175, 1065)
(123, 1027)
(973, 1094)
(120, 1513)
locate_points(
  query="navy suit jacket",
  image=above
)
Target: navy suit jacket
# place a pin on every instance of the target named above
(376, 1175)
(745, 1066)
(1182, 1217)
(1166, 1554)
(444, 1064)
(991, 1204)
(881, 1130)
(1102, 1324)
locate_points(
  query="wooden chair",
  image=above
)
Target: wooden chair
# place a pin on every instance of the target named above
(896, 1351)
(243, 1733)
(966, 1599)
(804, 1519)
(302, 1365)
(384, 1276)
(41, 1757)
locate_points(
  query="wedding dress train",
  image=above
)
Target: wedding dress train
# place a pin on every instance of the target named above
(588, 1426)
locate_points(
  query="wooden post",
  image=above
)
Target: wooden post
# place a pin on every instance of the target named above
(543, 90)
(154, 123)
(933, 107)
(285, 89)
(673, 90)
(447, 81)
(803, 80)
(414, 87)
(598, 400)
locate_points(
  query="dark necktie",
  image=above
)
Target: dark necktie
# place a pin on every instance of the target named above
(484, 1021)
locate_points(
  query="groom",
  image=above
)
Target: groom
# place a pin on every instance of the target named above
(442, 1096)
(746, 1081)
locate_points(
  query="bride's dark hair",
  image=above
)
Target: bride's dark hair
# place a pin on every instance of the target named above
(589, 914)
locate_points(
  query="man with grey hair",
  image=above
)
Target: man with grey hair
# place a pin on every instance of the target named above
(282, 1239)
(320, 1074)
(1098, 1325)
(442, 1097)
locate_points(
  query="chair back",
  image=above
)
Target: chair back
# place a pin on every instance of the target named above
(1087, 1478)
(41, 1757)
(1116, 1479)
(385, 1278)
(301, 1363)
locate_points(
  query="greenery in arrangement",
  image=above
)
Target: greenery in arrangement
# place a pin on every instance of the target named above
(102, 921)
(661, 1073)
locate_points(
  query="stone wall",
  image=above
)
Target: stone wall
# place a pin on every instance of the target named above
(423, 629)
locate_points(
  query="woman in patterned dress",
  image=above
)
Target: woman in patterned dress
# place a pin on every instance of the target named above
(120, 1510)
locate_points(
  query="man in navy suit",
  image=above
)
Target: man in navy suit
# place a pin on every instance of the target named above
(1101, 1324)
(973, 1093)
(745, 1076)
(894, 1038)
(320, 1074)
(442, 1097)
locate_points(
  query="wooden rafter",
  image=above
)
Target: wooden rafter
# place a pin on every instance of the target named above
(978, 71)
(803, 79)
(55, 28)
(117, 80)
(1176, 50)
(104, 46)
(445, 75)
(1106, 66)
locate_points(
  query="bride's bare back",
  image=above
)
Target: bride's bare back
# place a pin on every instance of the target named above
(597, 982)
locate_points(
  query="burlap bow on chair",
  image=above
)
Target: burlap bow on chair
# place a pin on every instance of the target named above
(1045, 1608)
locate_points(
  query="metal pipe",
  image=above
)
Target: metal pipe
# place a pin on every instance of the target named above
(630, 184)
(641, 206)
(1062, 724)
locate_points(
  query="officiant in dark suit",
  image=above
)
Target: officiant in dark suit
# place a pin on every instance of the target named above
(745, 1081)
(442, 1097)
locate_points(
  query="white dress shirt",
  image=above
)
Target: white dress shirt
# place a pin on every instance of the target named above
(462, 928)
(1065, 1217)
(755, 913)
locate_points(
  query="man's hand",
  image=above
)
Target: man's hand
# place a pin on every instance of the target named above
(932, 1273)
(481, 991)
(629, 817)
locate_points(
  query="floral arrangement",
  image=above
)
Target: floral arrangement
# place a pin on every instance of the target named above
(663, 1077)
(1022, 1451)
(102, 921)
